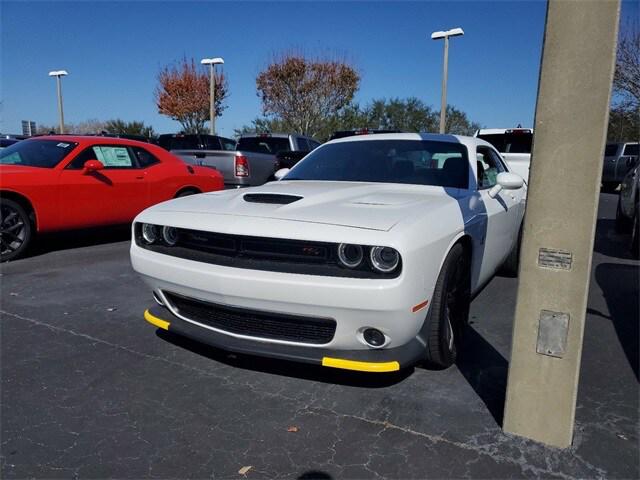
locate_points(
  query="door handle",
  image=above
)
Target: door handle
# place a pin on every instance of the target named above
(140, 177)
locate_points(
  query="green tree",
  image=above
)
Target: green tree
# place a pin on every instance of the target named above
(457, 122)
(121, 127)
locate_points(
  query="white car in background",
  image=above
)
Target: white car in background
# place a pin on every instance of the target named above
(514, 144)
(363, 257)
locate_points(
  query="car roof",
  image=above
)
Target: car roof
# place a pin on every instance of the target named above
(95, 139)
(267, 134)
(434, 137)
(499, 131)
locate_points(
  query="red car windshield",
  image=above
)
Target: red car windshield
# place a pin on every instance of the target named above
(36, 153)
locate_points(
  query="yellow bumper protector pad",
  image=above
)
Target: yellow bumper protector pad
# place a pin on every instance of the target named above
(153, 320)
(360, 366)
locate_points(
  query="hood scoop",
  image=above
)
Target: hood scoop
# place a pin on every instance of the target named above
(272, 198)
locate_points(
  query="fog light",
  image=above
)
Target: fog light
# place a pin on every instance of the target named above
(350, 255)
(149, 232)
(170, 235)
(374, 337)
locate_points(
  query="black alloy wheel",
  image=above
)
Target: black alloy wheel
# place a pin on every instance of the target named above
(449, 310)
(15, 230)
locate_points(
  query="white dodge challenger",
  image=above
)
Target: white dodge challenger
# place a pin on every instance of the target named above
(364, 256)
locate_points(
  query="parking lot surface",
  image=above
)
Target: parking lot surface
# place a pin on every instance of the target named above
(90, 390)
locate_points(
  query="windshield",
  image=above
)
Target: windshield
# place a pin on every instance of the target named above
(419, 162)
(510, 142)
(270, 145)
(36, 153)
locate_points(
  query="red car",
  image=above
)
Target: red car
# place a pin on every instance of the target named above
(64, 182)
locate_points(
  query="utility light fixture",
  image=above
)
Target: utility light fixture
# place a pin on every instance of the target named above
(58, 73)
(454, 32)
(212, 61)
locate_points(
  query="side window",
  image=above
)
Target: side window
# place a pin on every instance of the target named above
(110, 156)
(145, 159)
(489, 166)
(78, 162)
(211, 143)
(313, 144)
(114, 157)
(228, 144)
(630, 150)
(303, 144)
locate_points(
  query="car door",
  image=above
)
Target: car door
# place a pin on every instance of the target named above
(115, 194)
(503, 212)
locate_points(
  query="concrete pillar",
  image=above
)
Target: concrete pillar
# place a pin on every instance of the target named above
(570, 132)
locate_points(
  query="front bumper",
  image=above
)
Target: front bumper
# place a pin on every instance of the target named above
(380, 360)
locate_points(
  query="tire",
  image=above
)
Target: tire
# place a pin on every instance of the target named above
(16, 230)
(186, 193)
(510, 266)
(635, 234)
(449, 310)
(623, 224)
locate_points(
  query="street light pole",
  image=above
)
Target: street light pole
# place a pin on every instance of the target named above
(58, 74)
(454, 32)
(212, 90)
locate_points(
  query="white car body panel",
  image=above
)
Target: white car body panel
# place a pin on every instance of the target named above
(420, 222)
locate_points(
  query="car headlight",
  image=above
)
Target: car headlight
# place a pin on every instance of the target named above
(149, 232)
(384, 259)
(170, 235)
(350, 255)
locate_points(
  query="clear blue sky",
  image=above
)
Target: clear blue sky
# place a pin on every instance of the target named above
(114, 50)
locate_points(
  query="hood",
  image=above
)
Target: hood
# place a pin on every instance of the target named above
(373, 206)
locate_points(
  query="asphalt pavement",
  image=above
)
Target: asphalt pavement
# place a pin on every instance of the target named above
(90, 390)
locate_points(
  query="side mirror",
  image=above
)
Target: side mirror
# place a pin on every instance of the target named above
(506, 181)
(281, 173)
(93, 166)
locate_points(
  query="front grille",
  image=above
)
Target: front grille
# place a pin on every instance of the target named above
(254, 323)
(261, 253)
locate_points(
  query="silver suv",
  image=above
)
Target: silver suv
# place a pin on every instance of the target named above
(619, 158)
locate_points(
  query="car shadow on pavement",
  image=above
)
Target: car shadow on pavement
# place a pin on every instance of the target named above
(51, 242)
(486, 371)
(620, 284)
(611, 243)
(287, 368)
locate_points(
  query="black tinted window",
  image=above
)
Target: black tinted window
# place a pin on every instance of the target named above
(631, 149)
(303, 144)
(611, 149)
(419, 162)
(36, 153)
(144, 158)
(180, 142)
(228, 144)
(510, 142)
(270, 145)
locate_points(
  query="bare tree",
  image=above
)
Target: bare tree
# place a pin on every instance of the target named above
(626, 81)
